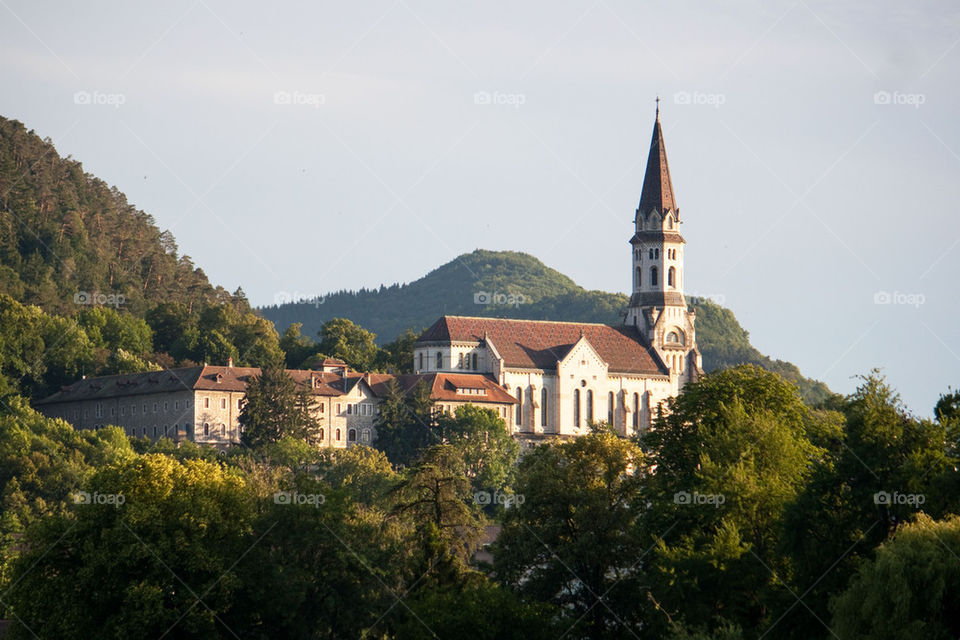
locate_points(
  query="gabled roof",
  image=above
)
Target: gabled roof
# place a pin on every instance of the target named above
(451, 387)
(657, 190)
(203, 378)
(539, 344)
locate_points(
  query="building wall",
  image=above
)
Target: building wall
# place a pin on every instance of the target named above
(150, 415)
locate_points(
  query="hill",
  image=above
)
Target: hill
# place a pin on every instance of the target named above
(517, 285)
(66, 236)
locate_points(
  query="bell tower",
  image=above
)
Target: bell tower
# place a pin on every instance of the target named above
(658, 308)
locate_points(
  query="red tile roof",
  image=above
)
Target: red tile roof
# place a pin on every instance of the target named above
(444, 386)
(538, 344)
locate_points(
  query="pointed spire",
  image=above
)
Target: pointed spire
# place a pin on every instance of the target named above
(657, 187)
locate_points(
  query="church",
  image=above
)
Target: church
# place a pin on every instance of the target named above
(545, 379)
(565, 375)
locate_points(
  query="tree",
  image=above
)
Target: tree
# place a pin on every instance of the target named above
(275, 408)
(151, 549)
(397, 357)
(489, 452)
(842, 515)
(435, 497)
(910, 589)
(731, 452)
(341, 338)
(296, 348)
(405, 425)
(572, 538)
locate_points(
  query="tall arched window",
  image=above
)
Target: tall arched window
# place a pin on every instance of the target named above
(519, 420)
(653, 276)
(589, 406)
(338, 435)
(543, 407)
(352, 435)
(576, 408)
(439, 360)
(610, 408)
(636, 410)
(206, 429)
(532, 402)
(474, 362)
(321, 433)
(421, 362)
(460, 362)
(672, 277)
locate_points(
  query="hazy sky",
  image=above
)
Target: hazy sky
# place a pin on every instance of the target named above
(305, 147)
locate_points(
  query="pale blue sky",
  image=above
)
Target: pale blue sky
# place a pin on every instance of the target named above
(814, 146)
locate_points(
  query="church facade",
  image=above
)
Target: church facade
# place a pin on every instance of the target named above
(565, 375)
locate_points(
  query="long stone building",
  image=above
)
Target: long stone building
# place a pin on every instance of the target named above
(203, 403)
(545, 379)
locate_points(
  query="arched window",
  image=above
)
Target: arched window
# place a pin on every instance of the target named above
(639, 279)
(543, 407)
(673, 337)
(653, 276)
(650, 255)
(589, 406)
(672, 277)
(352, 435)
(610, 408)
(460, 362)
(669, 222)
(421, 361)
(439, 360)
(532, 403)
(475, 362)
(321, 433)
(206, 429)
(636, 410)
(338, 435)
(519, 406)
(576, 408)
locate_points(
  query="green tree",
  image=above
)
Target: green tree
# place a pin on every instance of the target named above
(911, 589)
(839, 519)
(296, 347)
(341, 338)
(731, 452)
(572, 540)
(405, 425)
(435, 497)
(154, 550)
(489, 452)
(397, 357)
(275, 408)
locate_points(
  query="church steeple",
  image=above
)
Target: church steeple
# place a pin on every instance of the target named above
(657, 190)
(658, 308)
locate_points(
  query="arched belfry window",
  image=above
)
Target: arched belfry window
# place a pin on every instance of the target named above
(669, 222)
(653, 276)
(672, 277)
(439, 360)
(639, 277)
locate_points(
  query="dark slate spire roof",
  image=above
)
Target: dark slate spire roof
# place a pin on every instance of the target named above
(657, 188)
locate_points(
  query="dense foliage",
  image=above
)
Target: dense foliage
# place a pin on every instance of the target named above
(744, 514)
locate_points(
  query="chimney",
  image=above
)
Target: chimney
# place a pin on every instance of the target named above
(230, 361)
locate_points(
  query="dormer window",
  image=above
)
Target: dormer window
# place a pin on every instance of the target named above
(219, 378)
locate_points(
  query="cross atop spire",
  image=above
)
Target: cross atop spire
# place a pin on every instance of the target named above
(657, 187)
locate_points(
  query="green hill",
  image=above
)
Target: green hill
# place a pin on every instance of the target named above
(64, 232)
(517, 285)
